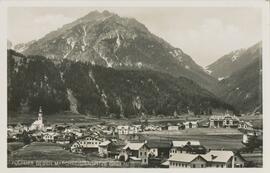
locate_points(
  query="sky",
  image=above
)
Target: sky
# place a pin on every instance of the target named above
(205, 33)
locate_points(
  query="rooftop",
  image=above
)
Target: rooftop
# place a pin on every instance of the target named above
(183, 157)
(133, 146)
(218, 156)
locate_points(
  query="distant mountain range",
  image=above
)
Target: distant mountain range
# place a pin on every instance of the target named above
(105, 64)
(105, 39)
(240, 74)
(234, 61)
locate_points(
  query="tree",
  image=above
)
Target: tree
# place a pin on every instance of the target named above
(26, 138)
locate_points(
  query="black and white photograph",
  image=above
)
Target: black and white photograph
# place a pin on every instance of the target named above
(135, 86)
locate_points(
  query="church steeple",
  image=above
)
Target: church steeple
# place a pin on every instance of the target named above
(40, 114)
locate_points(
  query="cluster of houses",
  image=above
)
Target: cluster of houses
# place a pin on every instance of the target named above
(105, 141)
(228, 121)
(174, 154)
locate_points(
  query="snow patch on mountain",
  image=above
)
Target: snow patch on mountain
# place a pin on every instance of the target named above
(104, 99)
(177, 53)
(221, 78)
(187, 67)
(73, 101)
(91, 76)
(139, 64)
(118, 41)
(71, 43)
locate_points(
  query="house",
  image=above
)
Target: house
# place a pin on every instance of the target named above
(49, 136)
(245, 125)
(76, 147)
(123, 130)
(178, 146)
(190, 124)
(62, 139)
(194, 149)
(158, 148)
(173, 128)
(223, 159)
(103, 148)
(88, 143)
(184, 160)
(217, 121)
(137, 150)
(72, 129)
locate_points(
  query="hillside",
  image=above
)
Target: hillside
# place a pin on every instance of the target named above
(96, 90)
(243, 88)
(108, 40)
(234, 61)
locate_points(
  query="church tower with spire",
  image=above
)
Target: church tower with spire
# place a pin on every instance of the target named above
(40, 114)
(38, 124)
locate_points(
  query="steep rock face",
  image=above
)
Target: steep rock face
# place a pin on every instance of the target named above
(92, 89)
(122, 43)
(234, 61)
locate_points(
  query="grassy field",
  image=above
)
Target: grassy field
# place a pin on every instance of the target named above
(228, 139)
(44, 151)
(13, 146)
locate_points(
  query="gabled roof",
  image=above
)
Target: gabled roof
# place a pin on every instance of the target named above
(105, 143)
(218, 156)
(158, 144)
(133, 146)
(135, 158)
(183, 143)
(183, 157)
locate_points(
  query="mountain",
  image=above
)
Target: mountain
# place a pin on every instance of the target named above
(243, 87)
(9, 44)
(106, 39)
(23, 46)
(234, 61)
(92, 89)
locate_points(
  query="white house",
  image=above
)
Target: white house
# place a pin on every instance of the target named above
(245, 125)
(135, 150)
(87, 143)
(184, 160)
(173, 128)
(223, 159)
(190, 124)
(103, 148)
(177, 146)
(49, 137)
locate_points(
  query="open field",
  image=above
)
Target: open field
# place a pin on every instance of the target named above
(13, 146)
(44, 151)
(228, 139)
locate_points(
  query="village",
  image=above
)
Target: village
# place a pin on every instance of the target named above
(132, 146)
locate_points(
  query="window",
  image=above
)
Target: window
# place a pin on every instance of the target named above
(235, 158)
(201, 165)
(145, 153)
(145, 160)
(217, 165)
(140, 153)
(221, 166)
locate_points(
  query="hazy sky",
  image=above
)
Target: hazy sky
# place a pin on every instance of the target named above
(205, 33)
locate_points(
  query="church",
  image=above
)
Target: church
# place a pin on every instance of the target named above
(38, 124)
